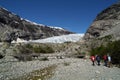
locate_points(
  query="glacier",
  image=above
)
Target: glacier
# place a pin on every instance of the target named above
(60, 39)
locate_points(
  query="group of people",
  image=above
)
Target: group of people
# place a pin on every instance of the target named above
(97, 59)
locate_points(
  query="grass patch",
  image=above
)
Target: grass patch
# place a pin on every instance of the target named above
(66, 64)
(42, 74)
(44, 59)
(43, 49)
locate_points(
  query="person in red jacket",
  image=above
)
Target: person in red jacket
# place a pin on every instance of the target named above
(105, 58)
(93, 59)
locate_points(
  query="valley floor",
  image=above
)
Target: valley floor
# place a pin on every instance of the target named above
(79, 69)
(66, 69)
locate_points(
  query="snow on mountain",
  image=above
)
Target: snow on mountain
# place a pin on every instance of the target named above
(7, 10)
(3, 8)
(56, 27)
(42, 24)
(33, 22)
(60, 39)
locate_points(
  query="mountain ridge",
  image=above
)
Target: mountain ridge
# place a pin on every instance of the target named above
(12, 26)
(106, 23)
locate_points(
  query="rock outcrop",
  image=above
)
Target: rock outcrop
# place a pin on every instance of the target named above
(13, 27)
(106, 23)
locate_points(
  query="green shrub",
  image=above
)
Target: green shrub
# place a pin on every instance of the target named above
(49, 49)
(112, 48)
(33, 48)
(98, 51)
(29, 46)
(66, 64)
(22, 49)
(37, 49)
(43, 49)
(44, 59)
(106, 38)
(67, 42)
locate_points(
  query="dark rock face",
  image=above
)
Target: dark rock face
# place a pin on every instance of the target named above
(106, 23)
(1, 56)
(12, 27)
(112, 12)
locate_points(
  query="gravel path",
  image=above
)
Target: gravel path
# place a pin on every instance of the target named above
(10, 70)
(79, 69)
(67, 69)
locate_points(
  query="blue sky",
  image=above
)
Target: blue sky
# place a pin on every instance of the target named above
(73, 15)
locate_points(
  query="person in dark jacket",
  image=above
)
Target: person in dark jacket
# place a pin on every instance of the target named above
(98, 59)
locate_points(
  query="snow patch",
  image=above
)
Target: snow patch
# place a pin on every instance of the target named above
(7, 10)
(4, 8)
(19, 41)
(33, 22)
(21, 19)
(56, 27)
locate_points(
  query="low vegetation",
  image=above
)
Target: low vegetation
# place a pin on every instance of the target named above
(106, 38)
(44, 59)
(43, 49)
(42, 74)
(31, 48)
(27, 52)
(66, 64)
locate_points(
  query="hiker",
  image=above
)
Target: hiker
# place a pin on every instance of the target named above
(93, 60)
(109, 61)
(98, 59)
(105, 58)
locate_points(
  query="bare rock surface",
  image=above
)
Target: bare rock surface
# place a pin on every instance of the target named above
(106, 23)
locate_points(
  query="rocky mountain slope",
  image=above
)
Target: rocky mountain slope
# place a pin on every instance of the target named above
(107, 23)
(13, 26)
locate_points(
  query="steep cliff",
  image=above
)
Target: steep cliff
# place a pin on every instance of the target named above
(107, 23)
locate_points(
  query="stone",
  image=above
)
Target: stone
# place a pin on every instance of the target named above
(98, 72)
(110, 79)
